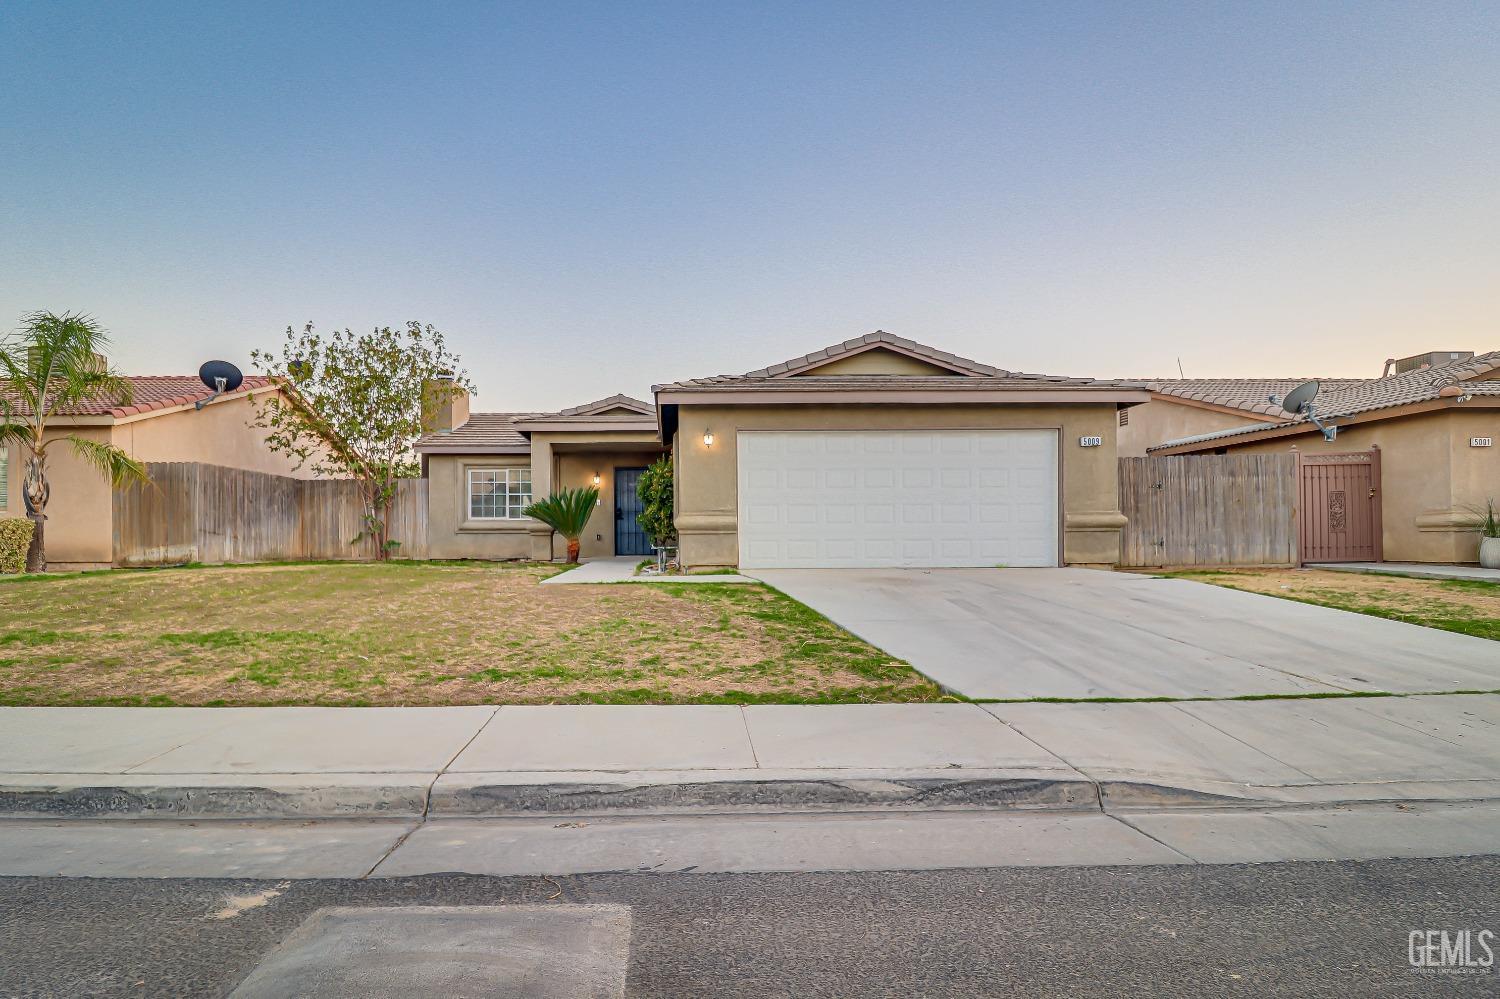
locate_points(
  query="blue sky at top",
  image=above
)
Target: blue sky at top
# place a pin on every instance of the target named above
(590, 197)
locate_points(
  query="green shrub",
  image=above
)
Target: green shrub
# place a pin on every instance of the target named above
(15, 539)
(566, 512)
(655, 491)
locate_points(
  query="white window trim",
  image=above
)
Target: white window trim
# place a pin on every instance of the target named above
(4, 476)
(504, 471)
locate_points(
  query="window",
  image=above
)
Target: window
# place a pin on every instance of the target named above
(499, 493)
(4, 476)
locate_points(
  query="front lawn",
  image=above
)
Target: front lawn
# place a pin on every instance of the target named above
(422, 633)
(1470, 608)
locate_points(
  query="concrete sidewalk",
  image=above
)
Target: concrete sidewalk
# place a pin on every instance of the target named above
(622, 570)
(571, 760)
(1422, 570)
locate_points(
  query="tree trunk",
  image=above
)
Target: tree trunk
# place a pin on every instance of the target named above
(572, 551)
(36, 555)
(35, 491)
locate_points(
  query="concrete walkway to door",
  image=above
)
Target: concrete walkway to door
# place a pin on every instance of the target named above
(1083, 633)
(621, 569)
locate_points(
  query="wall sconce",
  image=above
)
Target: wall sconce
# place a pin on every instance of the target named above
(708, 438)
(596, 478)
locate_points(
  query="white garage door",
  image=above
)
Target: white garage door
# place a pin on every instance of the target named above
(897, 498)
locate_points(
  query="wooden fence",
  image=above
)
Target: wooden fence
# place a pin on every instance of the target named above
(192, 512)
(1209, 510)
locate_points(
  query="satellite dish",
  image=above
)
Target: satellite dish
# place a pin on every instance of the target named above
(1299, 402)
(1299, 399)
(221, 376)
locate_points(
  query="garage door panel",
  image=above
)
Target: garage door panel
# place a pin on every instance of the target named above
(898, 498)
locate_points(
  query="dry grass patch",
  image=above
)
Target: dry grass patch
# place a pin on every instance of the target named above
(423, 633)
(1467, 607)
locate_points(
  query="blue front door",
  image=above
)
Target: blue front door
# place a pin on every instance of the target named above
(630, 539)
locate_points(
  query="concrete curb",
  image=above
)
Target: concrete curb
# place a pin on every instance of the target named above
(481, 795)
(280, 796)
(679, 792)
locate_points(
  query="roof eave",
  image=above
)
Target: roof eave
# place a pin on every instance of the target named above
(472, 449)
(738, 395)
(1307, 427)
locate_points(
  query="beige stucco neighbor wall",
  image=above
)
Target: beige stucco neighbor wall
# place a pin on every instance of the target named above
(1430, 477)
(1159, 421)
(708, 486)
(218, 434)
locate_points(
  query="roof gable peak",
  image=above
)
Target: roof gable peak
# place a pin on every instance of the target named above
(613, 404)
(929, 360)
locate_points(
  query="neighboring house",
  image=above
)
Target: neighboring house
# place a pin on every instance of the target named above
(1187, 407)
(1434, 429)
(874, 452)
(160, 423)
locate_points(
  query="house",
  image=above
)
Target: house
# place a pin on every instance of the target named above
(1412, 459)
(878, 451)
(160, 423)
(1187, 407)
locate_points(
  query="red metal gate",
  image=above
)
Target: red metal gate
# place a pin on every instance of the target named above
(1340, 507)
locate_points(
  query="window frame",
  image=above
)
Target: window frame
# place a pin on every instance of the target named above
(505, 475)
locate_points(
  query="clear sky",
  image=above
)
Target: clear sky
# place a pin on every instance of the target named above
(588, 198)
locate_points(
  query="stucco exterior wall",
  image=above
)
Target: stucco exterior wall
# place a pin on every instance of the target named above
(1431, 479)
(576, 471)
(878, 362)
(1159, 421)
(218, 434)
(79, 528)
(452, 534)
(708, 486)
(450, 531)
(79, 514)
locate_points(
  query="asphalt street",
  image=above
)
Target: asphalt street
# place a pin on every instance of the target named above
(1294, 929)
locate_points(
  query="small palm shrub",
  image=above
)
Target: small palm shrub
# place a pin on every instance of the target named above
(15, 541)
(566, 512)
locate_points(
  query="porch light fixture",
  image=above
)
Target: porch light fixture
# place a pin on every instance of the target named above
(708, 438)
(596, 478)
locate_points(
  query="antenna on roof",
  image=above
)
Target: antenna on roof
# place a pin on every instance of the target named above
(1179, 369)
(221, 376)
(1299, 402)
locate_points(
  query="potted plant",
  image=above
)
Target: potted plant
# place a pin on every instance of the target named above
(1488, 526)
(567, 513)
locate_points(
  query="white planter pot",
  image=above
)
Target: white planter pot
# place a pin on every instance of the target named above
(1489, 553)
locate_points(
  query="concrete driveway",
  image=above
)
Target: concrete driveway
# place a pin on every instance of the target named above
(1086, 633)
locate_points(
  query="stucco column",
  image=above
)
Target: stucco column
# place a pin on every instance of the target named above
(541, 486)
(707, 492)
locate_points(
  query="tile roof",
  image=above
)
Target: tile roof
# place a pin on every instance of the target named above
(1253, 395)
(492, 433)
(604, 405)
(505, 433)
(156, 392)
(1346, 398)
(974, 376)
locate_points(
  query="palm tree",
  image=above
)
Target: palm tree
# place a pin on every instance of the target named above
(567, 513)
(51, 364)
